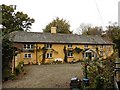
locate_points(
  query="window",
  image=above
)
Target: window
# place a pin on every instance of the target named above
(101, 46)
(101, 53)
(69, 45)
(48, 46)
(70, 54)
(28, 46)
(49, 55)
(27, 55)
(85, 46)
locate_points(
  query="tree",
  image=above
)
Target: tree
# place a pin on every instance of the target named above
(62, 26)
(93, 31)
(87, 29)
(83, 28)
(14, 21)
(11, 21)
(7, 55)
(113, 34)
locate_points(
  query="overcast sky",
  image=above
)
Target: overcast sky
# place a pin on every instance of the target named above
(74, 11)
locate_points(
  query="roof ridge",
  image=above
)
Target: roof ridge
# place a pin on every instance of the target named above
(47, 33)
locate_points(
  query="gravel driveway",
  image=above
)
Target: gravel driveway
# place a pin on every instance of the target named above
(46, 76)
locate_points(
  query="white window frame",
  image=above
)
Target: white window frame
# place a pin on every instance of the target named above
(27, 55)
(48, 46)
(70, 54)
(86, 55)
(69, 45)
(28, 46)
(101, 53)
(49, 55)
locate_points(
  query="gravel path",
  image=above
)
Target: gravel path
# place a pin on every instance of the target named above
(46, 76)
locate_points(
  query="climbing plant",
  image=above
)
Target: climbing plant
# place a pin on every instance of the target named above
(65, 54)
(77, 50)
(44, 53)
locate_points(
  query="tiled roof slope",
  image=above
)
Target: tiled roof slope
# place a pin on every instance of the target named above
(22, 36)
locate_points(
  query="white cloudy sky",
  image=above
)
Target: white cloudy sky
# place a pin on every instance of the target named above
(74, 11)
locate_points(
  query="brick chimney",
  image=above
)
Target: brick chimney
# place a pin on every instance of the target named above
(53, 29)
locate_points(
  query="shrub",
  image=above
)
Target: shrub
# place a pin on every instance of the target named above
(12, 77)
(101, 73)
(19, 68)
(57, 62)
(6, 73)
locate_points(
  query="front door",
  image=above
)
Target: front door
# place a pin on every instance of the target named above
(89, 55)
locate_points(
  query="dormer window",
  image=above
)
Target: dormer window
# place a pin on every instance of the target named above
(69, 45)
(48, 46)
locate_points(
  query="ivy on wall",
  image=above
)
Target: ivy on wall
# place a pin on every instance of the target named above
(65, 54)
(44, 53)
(77, 50)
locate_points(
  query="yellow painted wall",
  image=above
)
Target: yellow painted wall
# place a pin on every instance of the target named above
(59, 53)
(28, 60)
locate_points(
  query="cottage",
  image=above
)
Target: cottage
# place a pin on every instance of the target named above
(37, 47)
